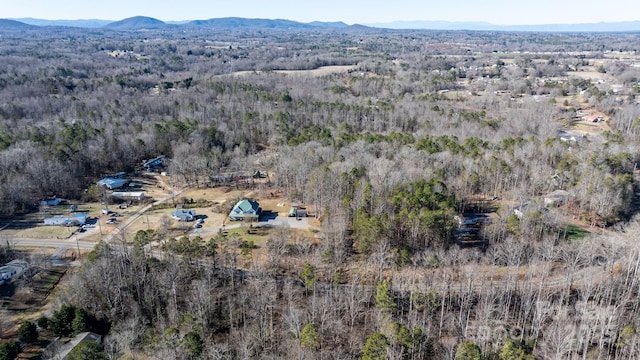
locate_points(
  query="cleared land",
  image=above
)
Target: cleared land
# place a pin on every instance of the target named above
(321, 71)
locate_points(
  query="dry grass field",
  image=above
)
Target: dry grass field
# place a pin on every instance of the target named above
(588, 75)
(321, 71)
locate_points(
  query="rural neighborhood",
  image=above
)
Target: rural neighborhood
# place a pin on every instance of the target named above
(240, 188)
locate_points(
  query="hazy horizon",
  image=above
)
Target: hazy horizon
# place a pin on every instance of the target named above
(496, 12)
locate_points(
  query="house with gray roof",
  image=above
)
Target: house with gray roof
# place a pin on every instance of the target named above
(182, 214)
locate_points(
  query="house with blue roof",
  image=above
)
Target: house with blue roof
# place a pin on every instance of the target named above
(111, 183)
(150, 165)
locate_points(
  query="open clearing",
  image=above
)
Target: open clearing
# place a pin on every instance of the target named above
(321, 71)
(212, 205)
(588, 75)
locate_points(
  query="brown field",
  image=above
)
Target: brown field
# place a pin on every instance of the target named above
(589, 128)
(593, 75)
(321, 71)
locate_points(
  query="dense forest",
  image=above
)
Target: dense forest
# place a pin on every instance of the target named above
(406, 131)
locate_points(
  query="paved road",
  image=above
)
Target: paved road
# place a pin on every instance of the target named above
(70, 243)
(139, 213)
(61, 246)
(77, 241)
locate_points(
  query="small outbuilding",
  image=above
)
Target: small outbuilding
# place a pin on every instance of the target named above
(520, 209)
(245, 210)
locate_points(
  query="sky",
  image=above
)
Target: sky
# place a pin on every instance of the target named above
(499, 12)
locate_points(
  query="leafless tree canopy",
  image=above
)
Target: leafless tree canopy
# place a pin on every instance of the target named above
(394, 136)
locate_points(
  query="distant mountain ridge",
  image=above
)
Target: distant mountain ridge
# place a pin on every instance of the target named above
(236, 22)
(144, 22)
(82, 23)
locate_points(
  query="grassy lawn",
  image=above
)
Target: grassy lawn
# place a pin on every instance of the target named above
(258, 234)
(573, 233)
(48, 232)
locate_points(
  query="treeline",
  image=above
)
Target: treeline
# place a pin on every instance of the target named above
(72, 112)
(509, 303)
(388, 151)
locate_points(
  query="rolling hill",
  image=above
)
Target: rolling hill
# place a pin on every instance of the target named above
(136, 23)
(6, 24)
